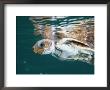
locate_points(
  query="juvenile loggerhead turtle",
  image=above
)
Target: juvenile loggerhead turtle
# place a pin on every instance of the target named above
(75, 43)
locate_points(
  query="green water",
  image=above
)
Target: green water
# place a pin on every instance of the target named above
(27, 62)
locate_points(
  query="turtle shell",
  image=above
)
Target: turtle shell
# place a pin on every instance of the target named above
(83, 36)
(82, 33)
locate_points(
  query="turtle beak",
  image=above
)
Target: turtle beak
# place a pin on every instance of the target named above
(37, 50)
(33, 49)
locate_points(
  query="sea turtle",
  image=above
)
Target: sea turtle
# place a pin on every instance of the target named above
(75, 43)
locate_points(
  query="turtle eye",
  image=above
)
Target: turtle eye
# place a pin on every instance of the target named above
(42, 45)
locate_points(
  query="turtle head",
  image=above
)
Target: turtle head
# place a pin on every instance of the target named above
(44, 46)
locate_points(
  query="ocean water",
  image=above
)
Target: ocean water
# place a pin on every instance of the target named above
(27, 62)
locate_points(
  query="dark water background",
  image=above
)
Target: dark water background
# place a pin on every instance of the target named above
(27, 62)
